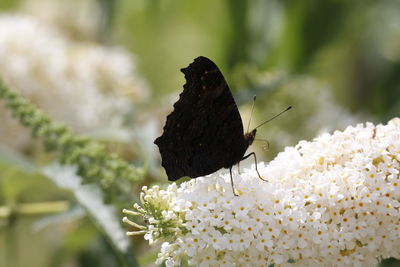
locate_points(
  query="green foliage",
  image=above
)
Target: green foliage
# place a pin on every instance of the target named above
(94, 163)
(8, 4)
(10, 157)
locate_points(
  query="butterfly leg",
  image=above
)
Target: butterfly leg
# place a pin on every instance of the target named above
(255, 160)
(238, 165)
(233, 188)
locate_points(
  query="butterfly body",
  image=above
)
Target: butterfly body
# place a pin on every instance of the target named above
(204, 133)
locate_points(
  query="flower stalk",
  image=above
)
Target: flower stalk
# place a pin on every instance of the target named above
(94, 163)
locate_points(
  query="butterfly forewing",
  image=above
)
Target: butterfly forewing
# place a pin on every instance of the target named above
(204, 132)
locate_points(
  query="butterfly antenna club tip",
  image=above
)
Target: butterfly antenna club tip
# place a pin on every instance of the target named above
(280, 113)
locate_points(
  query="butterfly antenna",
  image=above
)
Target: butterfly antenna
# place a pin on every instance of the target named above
(288, 108)
(251, 114)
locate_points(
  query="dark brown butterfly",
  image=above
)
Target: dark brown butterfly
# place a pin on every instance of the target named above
(204, 133)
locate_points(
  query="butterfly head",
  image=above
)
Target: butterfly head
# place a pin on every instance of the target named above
(249, 137)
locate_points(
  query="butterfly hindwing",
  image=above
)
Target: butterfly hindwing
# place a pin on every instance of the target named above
(204, 132)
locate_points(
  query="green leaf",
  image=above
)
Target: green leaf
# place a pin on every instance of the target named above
(94, 163)
(17, 183)
(72, 214)
(91, 198)
(12, 157)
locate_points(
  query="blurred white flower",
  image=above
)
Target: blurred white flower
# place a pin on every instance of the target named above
(72, 81)
(70, 16)
(334, 201)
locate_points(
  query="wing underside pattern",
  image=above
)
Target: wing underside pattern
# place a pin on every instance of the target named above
(204, 132)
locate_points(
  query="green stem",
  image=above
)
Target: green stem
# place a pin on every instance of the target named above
(11, 236)
(34, 208)
(94, 163)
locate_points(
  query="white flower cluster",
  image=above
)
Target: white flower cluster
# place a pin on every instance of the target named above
(72, 81)
(334, 201)
(70, 16)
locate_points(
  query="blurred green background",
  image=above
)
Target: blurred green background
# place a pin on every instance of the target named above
(336, 62)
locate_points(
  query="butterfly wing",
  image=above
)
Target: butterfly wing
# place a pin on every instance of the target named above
(204, 132)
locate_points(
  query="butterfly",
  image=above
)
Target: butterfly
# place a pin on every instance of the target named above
(204, 132)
